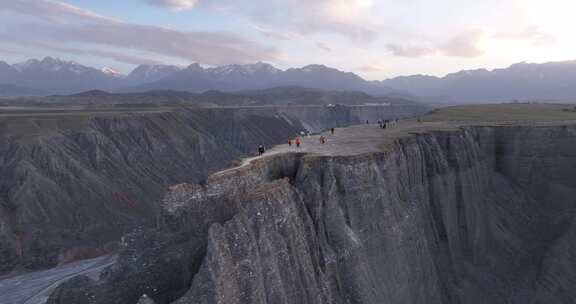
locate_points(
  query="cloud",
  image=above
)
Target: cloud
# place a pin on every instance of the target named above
(323, 46)
(464, 45)
(410, 51)
(68, 24)
(374, 67)
(346, 18)
(342, 9)
(280, 35)
(530, 33)
(9, 51)
(354, 32)
(175, 4)
(119, 56)
(50, 10)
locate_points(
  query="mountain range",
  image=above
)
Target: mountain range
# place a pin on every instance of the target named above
(554, 81)
(56, 76)
(278, 96)
(261, 76)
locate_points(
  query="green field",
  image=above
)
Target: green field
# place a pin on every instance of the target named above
(503, 114)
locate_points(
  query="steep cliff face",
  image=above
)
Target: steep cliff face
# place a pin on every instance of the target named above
(481, 215)
(72, 185)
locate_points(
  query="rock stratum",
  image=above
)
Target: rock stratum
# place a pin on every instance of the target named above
(75, 180)
(473, 214)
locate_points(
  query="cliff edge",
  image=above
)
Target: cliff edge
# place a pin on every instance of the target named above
(429, 211)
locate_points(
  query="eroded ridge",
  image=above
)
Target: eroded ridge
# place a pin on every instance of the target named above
(476, 215)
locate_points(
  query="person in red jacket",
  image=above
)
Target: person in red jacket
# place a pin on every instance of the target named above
(289, 142)
(298, 142)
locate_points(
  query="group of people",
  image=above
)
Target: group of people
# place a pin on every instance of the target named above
(297, 141)
(387, 123)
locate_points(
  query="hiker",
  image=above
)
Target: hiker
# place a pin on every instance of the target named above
(261, 150)
(380, 124)
(332, 131)
(298, 142)
(322, 139)
(289, 142)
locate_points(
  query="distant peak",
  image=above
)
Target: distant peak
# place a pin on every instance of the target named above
(264, 66)
(195, 67)
(21, 66)
(109, 70)
(53, 60)
(315, 67)
(94, 93)
(261, 64)
(156, 66)
(49, 63)
(152, 72)
(247, 69)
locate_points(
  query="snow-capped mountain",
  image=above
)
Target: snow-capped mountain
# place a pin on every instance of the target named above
(53, 65)
(62, 77)
(259, 68)
(54, 75)
(150, 73)
(554, 81)
(112, 72)
(259, 75)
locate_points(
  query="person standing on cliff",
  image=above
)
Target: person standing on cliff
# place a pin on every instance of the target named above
(298, 142)
(261, 150)
(332, 131)
(289, 142)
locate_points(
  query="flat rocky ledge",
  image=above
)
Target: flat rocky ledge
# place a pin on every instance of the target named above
(370, 138)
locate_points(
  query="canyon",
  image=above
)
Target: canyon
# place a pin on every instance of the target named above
(75, 180)
(434, 210)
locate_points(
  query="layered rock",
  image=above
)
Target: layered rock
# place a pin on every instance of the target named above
(72, 185)
(480, 215)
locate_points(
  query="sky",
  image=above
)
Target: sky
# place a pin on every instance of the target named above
(376, 39)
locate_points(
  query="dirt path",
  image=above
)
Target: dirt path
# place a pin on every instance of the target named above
(369, 138)
(352, 140)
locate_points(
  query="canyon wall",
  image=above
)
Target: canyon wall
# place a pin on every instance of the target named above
(480, 215)
(72, 185)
